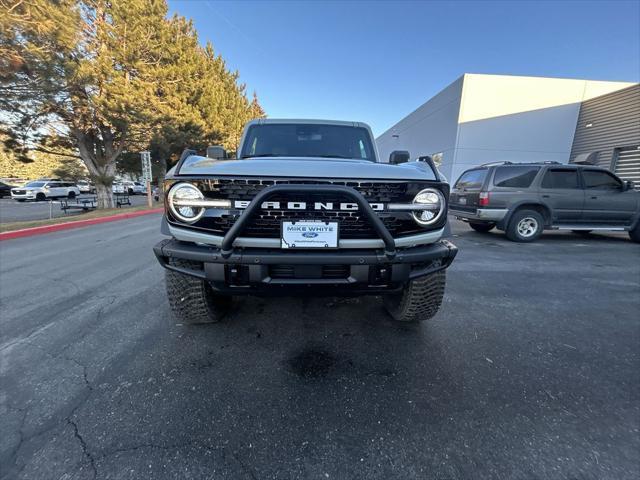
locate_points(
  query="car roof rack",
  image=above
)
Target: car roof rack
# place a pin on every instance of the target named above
(546, 162)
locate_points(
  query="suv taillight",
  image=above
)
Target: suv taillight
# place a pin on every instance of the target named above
(484, 199)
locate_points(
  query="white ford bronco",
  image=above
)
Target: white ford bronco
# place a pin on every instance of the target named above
(306, 208)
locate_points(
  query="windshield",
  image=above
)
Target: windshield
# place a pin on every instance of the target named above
(308, 140)
(35, 184)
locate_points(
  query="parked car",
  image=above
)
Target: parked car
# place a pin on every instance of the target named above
(525, 199)
(86, 187)
(132, 188)
(309, 208)
(5, 190)
(40, 190)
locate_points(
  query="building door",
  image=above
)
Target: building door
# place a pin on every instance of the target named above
(627, 164)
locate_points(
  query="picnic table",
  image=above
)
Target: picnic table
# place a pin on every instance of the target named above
(85, 204)
(122, 199)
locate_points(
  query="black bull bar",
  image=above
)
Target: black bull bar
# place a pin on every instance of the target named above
(226, 248)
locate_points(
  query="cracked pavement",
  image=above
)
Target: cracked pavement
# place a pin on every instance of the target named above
(530, 370)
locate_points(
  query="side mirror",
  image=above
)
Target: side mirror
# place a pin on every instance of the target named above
(399, 156)
(216, 152)
(628, 185)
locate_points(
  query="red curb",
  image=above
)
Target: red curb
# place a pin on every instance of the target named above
(28, 232)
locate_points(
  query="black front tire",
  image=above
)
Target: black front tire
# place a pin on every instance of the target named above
(634, 234)
(525, 226)
(420, 300)
(482, 227)
(71, 195)
(192, 300)
(40, 197)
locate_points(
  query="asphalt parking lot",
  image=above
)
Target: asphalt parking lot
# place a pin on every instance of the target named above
(530, 370)
(13, 211)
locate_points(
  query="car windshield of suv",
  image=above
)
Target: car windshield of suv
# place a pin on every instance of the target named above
(35, 184)
(308, 140)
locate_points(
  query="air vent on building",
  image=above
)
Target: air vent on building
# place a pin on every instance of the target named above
(627, 164)
(589, 158)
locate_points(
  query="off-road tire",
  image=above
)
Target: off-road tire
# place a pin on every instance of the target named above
(40, 197)
(482, 227)
(192, 300)
(513, 232)
(420, 300)
(634, 234)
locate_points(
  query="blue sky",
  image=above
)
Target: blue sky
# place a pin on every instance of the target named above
(376, 61)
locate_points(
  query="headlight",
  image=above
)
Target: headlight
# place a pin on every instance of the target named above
(432, 206)
(179, 198)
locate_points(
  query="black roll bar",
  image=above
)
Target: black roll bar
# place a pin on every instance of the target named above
(226, 248)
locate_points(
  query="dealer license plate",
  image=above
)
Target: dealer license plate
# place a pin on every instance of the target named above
(309, 234)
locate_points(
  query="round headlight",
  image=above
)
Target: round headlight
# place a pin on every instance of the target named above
(179, 198)
(432, 206)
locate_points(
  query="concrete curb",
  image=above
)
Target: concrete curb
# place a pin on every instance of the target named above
(28, 232)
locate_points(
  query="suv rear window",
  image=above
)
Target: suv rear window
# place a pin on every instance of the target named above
(515, 176)
(472, 179)
(560, 179)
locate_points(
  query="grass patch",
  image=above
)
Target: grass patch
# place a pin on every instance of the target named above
(7, 227)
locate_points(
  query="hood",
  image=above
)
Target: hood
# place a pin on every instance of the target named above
(305, 167)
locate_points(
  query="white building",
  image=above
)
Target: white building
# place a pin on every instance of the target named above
(487, 118)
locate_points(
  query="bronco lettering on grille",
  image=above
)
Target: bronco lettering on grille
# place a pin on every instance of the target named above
(303, 205)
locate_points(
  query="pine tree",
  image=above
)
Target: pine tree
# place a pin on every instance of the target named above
(111, 76)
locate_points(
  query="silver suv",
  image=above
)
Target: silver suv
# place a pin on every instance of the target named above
(524, 199)
(308, 208)
(41, 190)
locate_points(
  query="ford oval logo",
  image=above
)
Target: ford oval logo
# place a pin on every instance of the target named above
(309, 234)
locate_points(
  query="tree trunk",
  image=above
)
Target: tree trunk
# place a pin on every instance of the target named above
(105, 195)
(161, 174)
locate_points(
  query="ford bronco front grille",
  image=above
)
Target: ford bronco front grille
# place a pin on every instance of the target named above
(267, 223)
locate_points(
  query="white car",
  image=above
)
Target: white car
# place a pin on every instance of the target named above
(126, 186)
(40, 190)
(134, 188)
(86, 187)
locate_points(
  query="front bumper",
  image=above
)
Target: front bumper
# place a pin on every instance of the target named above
(480, 214)
(272, 271)
(24, 196)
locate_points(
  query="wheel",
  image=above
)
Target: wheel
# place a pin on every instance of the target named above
(130, 191)
(420, 300)
(71, 195)
(192, 300)
(40, 197)
(482, 227)
(634, 234)
(581, 232)
(525, 226)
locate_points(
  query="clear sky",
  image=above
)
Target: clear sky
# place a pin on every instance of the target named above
(376, 61)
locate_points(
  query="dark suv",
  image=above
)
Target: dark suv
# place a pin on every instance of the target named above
(524, 199)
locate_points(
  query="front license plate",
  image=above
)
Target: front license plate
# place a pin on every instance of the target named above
(309, 234)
